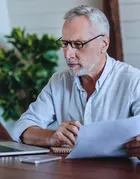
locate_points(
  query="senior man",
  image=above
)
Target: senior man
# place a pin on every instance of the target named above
(94, 88)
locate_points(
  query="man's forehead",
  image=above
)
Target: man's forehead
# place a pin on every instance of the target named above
(78, 28)
(77, 22)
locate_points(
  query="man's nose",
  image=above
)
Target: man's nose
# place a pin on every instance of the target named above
(69, 52)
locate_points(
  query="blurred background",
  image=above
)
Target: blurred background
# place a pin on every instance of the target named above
(46, 16)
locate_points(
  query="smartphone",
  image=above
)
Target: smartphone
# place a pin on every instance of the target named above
(36, 159)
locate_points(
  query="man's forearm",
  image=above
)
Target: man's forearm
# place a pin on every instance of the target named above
(37, 136)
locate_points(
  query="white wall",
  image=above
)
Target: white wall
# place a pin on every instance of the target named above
(130, 24)
(4, 29)
(4, 21)
(44, 16)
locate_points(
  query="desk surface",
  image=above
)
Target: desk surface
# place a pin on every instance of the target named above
(115, 168)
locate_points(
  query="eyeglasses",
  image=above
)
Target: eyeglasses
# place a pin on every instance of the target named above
(74, 44)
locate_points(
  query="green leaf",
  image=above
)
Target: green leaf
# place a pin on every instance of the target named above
(50, 56)
(25, 70)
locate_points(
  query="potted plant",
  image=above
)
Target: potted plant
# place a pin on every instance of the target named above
(24, 70)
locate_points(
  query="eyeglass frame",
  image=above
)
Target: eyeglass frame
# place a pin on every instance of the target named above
(82, 43)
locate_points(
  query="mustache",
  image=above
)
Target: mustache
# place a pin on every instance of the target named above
(71, 61)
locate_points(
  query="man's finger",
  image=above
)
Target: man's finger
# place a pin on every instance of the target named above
(138, 138)
(75, 123)
(62, 138)
(134, 151)
(66, 141)
(73, 129)
(69, 135)
(132, 144)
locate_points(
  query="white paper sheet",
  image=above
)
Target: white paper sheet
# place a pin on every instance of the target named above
(105, 138)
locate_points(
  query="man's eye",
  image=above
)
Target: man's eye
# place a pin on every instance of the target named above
(77, 45)
(64, 43)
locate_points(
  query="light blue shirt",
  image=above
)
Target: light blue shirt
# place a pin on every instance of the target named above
(117, 96)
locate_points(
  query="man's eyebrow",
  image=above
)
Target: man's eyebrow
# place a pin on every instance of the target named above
(74, 40)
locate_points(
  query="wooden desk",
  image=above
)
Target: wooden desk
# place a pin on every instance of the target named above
(10, 167)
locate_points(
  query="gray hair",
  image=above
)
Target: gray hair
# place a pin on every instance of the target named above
(95, 16)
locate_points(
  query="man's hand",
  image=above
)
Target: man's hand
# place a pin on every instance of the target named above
(65, 134)
(133, 147)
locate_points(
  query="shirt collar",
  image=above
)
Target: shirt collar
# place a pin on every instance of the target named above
(108, 67)
(77, 81)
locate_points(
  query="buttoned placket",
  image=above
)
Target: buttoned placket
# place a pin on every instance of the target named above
(88, 108)
(87, 105)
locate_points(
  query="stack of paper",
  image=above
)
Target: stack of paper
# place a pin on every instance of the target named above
(105, 138)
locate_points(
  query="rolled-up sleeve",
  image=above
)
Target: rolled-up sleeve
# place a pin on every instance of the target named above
(135, 107)
(40, 113)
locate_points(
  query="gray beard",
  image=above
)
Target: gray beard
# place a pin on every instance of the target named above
(82, 72)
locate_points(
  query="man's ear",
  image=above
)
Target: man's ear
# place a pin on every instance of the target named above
(105, 44)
